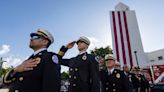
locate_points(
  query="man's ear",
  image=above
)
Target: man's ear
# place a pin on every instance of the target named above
(87, 46)
(44, 42)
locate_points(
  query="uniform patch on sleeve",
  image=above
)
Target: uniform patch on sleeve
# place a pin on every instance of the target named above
(55, 59)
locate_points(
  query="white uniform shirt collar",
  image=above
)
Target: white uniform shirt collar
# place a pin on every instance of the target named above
(36, 52)
(82, 52)
(111, 71)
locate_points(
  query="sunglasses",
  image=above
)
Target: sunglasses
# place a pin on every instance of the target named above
(108, 59)
(35, 37)
(80, 42)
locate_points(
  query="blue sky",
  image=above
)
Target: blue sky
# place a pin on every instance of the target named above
(69, 19)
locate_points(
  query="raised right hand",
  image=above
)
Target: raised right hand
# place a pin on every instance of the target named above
(70, 45)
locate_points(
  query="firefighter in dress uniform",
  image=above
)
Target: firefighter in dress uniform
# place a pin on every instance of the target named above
(83, 69)
(114, 80)
(40, 72)
(143, 84)
(131, 76)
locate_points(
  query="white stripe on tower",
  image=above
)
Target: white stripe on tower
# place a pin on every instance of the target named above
(125, 40)
(128, 39)
(114, 36)
(119, 38)
(122, 38)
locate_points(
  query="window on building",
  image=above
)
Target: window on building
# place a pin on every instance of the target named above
(160, 58)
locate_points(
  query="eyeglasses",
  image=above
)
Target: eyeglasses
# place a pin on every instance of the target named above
(35, 37)
(80, 42)
(108, 59)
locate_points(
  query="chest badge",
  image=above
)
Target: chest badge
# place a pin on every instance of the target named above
(118, 75)
(37, 60)
(84, 57)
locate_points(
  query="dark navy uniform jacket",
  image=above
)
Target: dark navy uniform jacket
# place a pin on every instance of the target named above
(115, 82)
(83, 72)
(142, 84)
(133, 80)
(44, 78)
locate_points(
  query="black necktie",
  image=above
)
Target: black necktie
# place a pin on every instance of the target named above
(109, 72)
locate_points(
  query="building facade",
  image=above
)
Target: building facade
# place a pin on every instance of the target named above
(127, 44)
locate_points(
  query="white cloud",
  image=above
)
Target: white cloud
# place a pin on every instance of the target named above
(4, 49)
(94, 42)
(12, 61)
(103, 42)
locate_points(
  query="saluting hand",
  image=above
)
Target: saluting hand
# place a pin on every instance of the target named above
(70, 45)
(26, 66)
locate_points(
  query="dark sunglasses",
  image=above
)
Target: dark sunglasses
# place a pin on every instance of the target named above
(80, 42)
(109, 59)
(35, 37)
